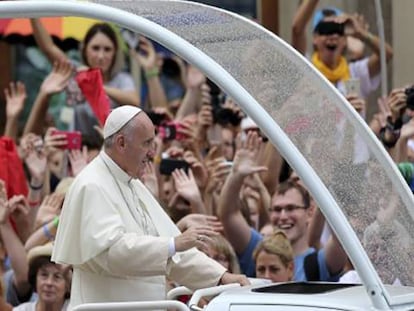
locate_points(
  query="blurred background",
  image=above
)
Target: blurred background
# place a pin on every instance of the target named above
(22, 61)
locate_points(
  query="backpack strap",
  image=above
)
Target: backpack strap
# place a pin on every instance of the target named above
(311, 267)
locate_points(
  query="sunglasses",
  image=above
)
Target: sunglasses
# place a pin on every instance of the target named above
(330, 28)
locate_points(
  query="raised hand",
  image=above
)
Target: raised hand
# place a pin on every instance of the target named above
(19, 209)
(245, 159)
(58, 78)
(397, 102)
(36, 160)
(194, 237)
(78, 160)
(195, 78)
(26, 144)
(205, 116)
(356, 26)
(186, 186)
(199, 220)
(147, 57)
(150, 179)
(15, 97)
(218, 170)
(4, 211)
(357, 102)
(50, 207)
(53, 141)
(199, 170)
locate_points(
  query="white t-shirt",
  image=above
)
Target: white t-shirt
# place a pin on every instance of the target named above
(358, 70)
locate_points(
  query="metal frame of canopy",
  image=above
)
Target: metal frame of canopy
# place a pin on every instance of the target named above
(374, 286)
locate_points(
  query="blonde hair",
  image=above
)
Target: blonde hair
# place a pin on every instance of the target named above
(222, 246)
(276, 244)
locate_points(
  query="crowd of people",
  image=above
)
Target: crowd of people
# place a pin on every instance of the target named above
(186, 182)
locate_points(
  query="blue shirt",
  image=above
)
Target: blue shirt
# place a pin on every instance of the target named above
(248, 266)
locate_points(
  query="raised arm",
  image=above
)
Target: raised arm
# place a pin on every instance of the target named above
(358, 28)
(14, 246)
(15, 99)
(236, 228)
(335, 255)
(193, 94)
(55, 82)
(45, 42)
(148, 60)
(300, 20)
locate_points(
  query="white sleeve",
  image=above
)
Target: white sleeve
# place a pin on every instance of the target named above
(359, 70)
(136, 255)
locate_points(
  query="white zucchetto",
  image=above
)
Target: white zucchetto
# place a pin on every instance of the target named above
(118, 118)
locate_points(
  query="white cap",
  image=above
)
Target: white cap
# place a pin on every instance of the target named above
(118, 118)
(247, 123)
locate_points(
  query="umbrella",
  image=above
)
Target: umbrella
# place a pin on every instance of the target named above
(66, 31)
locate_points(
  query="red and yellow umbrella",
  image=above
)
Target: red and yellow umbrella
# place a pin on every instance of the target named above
(64, 30)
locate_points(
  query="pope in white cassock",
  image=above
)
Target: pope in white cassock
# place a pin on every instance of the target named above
(121, 243)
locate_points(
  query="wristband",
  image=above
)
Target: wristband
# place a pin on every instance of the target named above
(391, 143)
(56, 221)
(47, 233)
(36, 188)
(151, 73)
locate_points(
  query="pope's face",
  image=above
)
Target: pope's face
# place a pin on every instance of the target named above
(139, 146)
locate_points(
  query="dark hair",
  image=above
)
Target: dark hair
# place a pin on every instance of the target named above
(35, 265)
(105, 29)
(290, 184)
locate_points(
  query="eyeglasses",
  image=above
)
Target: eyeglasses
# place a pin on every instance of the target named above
(290, 208)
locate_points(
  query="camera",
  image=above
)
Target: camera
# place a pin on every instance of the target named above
(156, 118)
(170, 131)
(409, 91)
(170, 68)
(168, 165)
(221, 115)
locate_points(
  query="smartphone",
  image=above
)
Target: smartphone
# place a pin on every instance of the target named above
(171, 130)
(352, 86)
(157, 118)
(74, 139)
(167, 166)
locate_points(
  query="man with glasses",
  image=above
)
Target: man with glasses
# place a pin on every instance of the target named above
(290, 211)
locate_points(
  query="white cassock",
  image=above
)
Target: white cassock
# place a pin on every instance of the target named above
(119, 252)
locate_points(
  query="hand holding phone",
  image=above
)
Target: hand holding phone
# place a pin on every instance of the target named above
(73, 139)
(352, 86)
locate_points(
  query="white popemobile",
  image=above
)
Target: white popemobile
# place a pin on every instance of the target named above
(367, 203)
